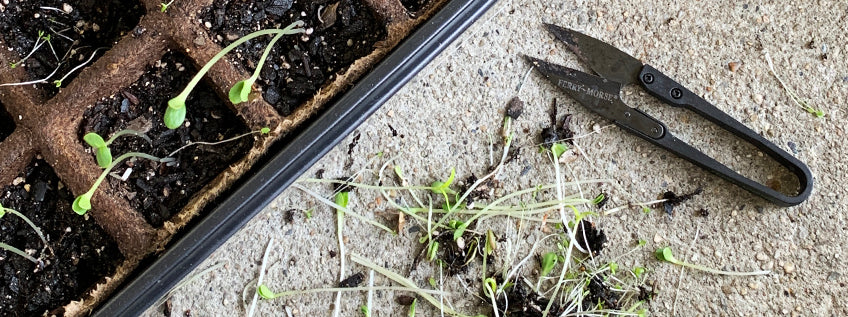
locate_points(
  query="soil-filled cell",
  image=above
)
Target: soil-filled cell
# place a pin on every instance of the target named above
(338, 33)
(7, 124)
(54, 40)
(78, 253)
(159, 190)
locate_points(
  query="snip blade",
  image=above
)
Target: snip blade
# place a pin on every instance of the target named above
(599, 95)
(606, 60)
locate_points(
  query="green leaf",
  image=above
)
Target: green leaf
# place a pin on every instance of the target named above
(104, 156)
(558, 149)
(265, 292)
(443, 187)
(174, 117)
(265, 130)
(240, 92)
(432, 250)
(665, 254)
(638, 271)
(82, 204)
(613, 267)
(342, 199)
(642, 242)
(460, 230)
(2, 211)
(94, 140)
(549, 261)
(412, 308)
(364, 310)
(491, 242)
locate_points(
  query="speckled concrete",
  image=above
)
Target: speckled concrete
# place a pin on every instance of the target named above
(448, 114)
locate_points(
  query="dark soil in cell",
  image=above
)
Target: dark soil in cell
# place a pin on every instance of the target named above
(341, 32)
(414, 5)
(7, 124)
(160, 189)
(81, 252)
(77, 30)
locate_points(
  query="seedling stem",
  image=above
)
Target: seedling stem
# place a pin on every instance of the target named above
(82, 203)
(175, 113)
(665, 254)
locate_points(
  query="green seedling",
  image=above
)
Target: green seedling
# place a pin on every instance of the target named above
(101, 147)
(240, 92)
(176, 111)
(365, 311)
(82, 203)
(665, 254)
(164, 6)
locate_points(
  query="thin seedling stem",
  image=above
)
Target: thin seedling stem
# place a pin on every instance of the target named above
(212, 143)
(261, 277)
(59, 82)
(21, 253)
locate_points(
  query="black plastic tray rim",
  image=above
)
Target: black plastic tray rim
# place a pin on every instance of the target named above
(339, 120)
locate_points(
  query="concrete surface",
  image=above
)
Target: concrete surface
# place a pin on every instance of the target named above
(446, 116)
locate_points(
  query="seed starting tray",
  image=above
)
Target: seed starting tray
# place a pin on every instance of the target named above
(157, 257)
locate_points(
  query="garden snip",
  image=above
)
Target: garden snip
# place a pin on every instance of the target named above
(616, 69)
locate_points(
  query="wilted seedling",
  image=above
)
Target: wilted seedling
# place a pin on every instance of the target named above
(176, 111)
(798, 101)
(665, 254)
(263, 131)
(101, 147)
(82, 203)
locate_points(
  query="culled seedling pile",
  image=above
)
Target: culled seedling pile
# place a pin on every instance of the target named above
(484, 251)
(565, 271)
(149, 111)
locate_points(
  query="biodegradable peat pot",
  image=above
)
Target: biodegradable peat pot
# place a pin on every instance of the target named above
(312, 92)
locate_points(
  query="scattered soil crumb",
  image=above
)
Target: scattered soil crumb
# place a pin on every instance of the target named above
(672, 199)
(353, 280)
(589, 238)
